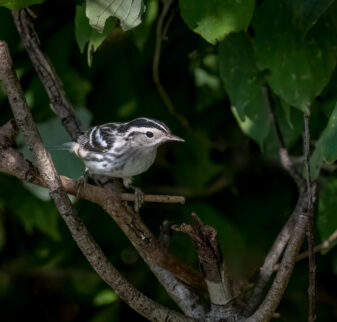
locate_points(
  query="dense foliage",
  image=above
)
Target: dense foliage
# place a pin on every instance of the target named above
(217, 61)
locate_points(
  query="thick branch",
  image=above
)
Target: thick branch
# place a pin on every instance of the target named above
(274, 295)
(272, 258)
(88, 246)
(53, 85)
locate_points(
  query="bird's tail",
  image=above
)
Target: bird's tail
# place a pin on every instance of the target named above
(63, 147)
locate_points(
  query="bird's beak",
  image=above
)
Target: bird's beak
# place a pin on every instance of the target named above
(175, 138)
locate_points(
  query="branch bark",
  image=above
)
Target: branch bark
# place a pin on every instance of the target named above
(274, 295)
(311, 241)
(272, 258)
(138, 301)
(53, 85)
(63, 109)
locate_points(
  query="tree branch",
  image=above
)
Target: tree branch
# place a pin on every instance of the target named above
(88, 246)
(271, 259)
(311, 241)
(324, 245)
(223, 305)
(63, 109)
(274, 295)
(285, 158)
(205, 239)
(282, 239)
(53, 85)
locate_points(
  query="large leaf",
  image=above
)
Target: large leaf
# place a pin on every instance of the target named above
(142, 32)
(299, 67)
(240, 76)
(18, 4)
(85, 34)
(327, 205)
(326, 146)
(214, 19)
(129, 12)
(306, 13)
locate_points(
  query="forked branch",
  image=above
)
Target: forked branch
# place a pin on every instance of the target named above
(138, 301)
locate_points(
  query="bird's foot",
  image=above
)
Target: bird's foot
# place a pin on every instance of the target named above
(139, 195)
(139, 199)
(80, 183)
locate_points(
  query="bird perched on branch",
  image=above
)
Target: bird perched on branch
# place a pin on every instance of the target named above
(121, 150)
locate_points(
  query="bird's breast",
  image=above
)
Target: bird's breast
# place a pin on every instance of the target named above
(128, 164)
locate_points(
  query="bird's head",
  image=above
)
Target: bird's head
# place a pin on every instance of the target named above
(147, 133)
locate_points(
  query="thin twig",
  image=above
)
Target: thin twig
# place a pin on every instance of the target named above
(282, 239)
(318, 248)
(285, 159)
(311, 241)
(138, 301)
(161, 30)
(50, 80)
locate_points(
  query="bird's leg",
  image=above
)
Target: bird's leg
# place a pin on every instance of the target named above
(81, 181)
(139, 195)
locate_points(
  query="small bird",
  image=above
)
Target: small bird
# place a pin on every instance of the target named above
(121, 150)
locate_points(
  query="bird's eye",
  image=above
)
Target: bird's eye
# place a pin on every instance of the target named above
(149, 134)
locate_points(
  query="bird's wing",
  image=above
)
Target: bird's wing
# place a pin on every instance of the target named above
(99, 139)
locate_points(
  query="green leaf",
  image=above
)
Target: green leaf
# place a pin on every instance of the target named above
(18, 4)
(142, 32)
(306, 13)
(105, 297)
(299, 67)
(85, 34)
(240, 76)
(327, 204)
(214, 19)
(326, 146)
(129, 12)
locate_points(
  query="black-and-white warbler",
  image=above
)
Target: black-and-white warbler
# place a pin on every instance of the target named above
(121, 150)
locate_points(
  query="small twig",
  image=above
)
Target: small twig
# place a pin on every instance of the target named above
(282, 239)
(318, 248)
(161, 30)
(53, 85)
(98, 193)
(138, 301)
(311, 241)
(13, 163)
(285, 159)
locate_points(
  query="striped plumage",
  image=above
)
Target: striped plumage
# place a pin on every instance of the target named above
(121, 150)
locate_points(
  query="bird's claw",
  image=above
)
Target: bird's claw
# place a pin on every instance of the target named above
(80, 184)
(139, 199)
